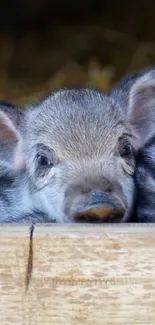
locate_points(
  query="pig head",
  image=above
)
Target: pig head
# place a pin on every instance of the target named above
(79, 148)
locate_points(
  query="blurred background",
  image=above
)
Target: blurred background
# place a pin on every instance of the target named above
(45, 45)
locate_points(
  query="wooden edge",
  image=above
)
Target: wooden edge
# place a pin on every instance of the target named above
(44, 228)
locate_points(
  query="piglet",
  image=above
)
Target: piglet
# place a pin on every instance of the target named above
(79, 150)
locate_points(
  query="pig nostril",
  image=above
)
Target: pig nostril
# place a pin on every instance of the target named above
(86, 190)
(108, 189)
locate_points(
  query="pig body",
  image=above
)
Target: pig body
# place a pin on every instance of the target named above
(79, 148)
(145, 184)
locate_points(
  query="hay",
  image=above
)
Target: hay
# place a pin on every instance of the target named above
(66, 57)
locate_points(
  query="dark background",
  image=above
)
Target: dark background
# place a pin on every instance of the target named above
(50, 44)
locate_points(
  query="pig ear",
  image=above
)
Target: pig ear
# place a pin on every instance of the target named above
(10, 135)
(142, 107)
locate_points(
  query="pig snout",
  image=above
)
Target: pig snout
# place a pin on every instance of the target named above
(95, 206)
(99, 207)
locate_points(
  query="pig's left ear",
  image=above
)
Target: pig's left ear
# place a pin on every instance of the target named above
(10, 135)
(142, 107)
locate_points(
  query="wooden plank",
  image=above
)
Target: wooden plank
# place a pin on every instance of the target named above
(78, 274)
(14, 251)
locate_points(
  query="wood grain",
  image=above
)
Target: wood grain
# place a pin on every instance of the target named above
(77, 274)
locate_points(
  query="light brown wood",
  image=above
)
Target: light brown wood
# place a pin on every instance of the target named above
(77, 274)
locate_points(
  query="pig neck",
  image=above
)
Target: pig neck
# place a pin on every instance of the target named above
(18, 202)
(37, 203)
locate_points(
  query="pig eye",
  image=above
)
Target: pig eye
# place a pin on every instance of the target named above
(125, 149)
(43, 161)
(44, 157)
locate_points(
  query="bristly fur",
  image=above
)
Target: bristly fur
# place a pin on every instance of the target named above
(145, 184)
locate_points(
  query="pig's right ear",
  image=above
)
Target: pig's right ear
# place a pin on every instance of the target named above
(10, 135)
(142, 107)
